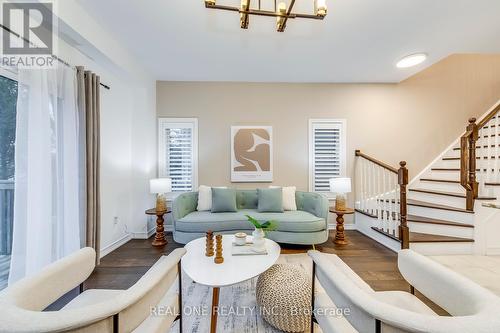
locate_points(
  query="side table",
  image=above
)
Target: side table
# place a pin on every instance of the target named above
(340, 235)
(160, 239)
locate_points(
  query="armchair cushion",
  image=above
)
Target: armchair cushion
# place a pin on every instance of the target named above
(91, 297)
(400, 313)
(93, 312)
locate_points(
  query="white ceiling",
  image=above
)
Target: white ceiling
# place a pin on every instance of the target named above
(359, 40)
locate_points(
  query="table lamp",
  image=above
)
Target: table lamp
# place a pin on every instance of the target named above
(340, 186)
(160, 186)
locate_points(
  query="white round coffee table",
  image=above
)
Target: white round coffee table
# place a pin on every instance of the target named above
(235, 269)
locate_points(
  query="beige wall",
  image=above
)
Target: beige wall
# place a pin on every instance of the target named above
(413, 121)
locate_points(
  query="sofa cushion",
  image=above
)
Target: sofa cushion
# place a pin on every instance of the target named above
(223, 200)
(270, 200)
(289, 221)
(247, 199)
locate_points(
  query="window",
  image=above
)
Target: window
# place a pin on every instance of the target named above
(326, 152)
(178, 152)
(8, 102)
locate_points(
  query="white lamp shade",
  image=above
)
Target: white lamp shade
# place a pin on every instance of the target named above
(340, 185)
(160, 185)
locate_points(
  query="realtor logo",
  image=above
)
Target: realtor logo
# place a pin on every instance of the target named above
(33, 21)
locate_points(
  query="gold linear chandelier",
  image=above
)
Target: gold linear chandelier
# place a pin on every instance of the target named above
(281, 12)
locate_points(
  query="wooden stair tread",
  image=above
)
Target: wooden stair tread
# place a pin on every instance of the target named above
(385, 233)
(418, 203)
(455, 169)
(449, 194)
(365, 213)
(418, 237)
(477, 158)
(440, 180)
(422, 219)
(484, 146)
(453, 181)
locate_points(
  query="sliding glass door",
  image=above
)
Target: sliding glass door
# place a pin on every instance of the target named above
(8, 100)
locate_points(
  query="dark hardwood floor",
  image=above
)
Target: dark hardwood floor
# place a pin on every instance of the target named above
(373, 262)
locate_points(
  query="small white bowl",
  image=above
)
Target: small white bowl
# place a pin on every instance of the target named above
(240, 239)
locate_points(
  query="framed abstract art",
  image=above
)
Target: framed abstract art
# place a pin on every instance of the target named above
(251, 154)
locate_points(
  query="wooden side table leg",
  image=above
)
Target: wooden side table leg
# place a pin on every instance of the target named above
(215, 305)
(340, 235)
(160, 239)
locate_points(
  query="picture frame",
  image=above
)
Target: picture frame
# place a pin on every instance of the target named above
(251, 154)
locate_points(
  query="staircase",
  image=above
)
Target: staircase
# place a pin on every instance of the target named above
(442, 203)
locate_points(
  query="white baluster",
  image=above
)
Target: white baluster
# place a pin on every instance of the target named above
(380, 201)
(373, 189)
(387, 190)
(487, 152)
(397, 217)
(364, 184)
(496, 151)
(386, 199)
(359, 184)
(385, 205)
(390, 211)
(370, 186)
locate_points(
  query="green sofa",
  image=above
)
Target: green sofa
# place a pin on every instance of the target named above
(307, 225)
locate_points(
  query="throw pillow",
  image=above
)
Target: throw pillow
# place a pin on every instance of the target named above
(289, 202)
(205, 198)
(223, 200)
(270, 200)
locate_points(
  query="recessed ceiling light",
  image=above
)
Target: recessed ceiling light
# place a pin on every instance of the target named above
(411, 60)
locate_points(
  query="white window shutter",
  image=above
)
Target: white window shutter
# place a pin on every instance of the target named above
(178, 153)
(326, 153)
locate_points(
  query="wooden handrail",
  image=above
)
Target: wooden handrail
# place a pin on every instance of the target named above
(489, 116)
(402, 173)
(379, 163)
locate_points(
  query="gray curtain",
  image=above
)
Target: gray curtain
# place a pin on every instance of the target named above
(88, 100)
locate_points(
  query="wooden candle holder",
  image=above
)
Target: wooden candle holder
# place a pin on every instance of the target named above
(218, 250)
(209, 251)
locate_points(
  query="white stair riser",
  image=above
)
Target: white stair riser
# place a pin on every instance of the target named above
(444, 248)
(447, 164)
(441, 214)
(438, 199)
(444, 230)
(451, 175)
(438, 186)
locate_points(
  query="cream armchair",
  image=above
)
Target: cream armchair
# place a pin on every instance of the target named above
(473, 309)
(94, 310)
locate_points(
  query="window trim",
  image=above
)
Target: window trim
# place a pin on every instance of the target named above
(162, 124)
(343, 149)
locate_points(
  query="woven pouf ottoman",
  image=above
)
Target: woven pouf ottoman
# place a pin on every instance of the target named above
(284, 297)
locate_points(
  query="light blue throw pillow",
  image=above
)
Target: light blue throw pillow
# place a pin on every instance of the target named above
(270, 200)
(223, 200)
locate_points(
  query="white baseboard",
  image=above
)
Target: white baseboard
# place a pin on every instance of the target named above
(116, 244)
(142, 234)
(493, 251)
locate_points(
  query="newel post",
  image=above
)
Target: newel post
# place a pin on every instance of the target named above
(404, 231)
(472, 193)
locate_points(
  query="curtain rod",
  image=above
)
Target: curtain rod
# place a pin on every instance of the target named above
(53, 55)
